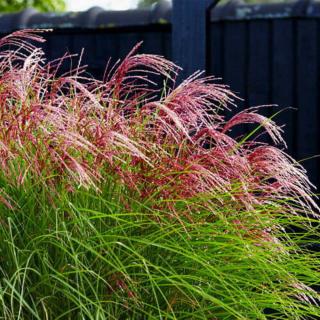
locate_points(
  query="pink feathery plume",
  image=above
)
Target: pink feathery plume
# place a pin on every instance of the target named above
(250, 116)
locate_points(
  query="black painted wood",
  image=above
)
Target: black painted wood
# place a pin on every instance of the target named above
(307, 86)
(84, 46)
(107, 50)
(152, 43)
(284, 77)
(235, 66)
(190, 24)
(259, 71)
(58, 45)
(167, 45)
(127, 41)
(216, 49)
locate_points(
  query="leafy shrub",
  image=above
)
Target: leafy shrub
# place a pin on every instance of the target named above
(121, 200)
(41, 5)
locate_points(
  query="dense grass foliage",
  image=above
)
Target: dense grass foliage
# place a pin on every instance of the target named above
(120, 200)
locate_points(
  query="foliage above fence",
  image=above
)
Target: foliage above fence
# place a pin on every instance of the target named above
(41, 5)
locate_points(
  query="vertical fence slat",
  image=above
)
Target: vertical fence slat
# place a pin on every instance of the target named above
(126, 41)
(84, 41)
(307, 92)
(283, 77)
(59, 44)
(152, 42)
(215, 63)
(106, 46)
(167, 45)
(258, 68)
(189, 34)
(258, 78)
(235, 63)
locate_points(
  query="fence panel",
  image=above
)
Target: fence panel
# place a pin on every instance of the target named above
(269, 58)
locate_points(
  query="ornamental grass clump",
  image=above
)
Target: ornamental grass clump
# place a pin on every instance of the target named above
(123, 200)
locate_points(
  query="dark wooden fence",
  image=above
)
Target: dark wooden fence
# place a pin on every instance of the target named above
(267, 54)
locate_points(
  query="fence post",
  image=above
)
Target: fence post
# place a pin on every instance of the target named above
(190, 26)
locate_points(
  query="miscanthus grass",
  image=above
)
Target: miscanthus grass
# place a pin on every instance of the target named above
(120, 200)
